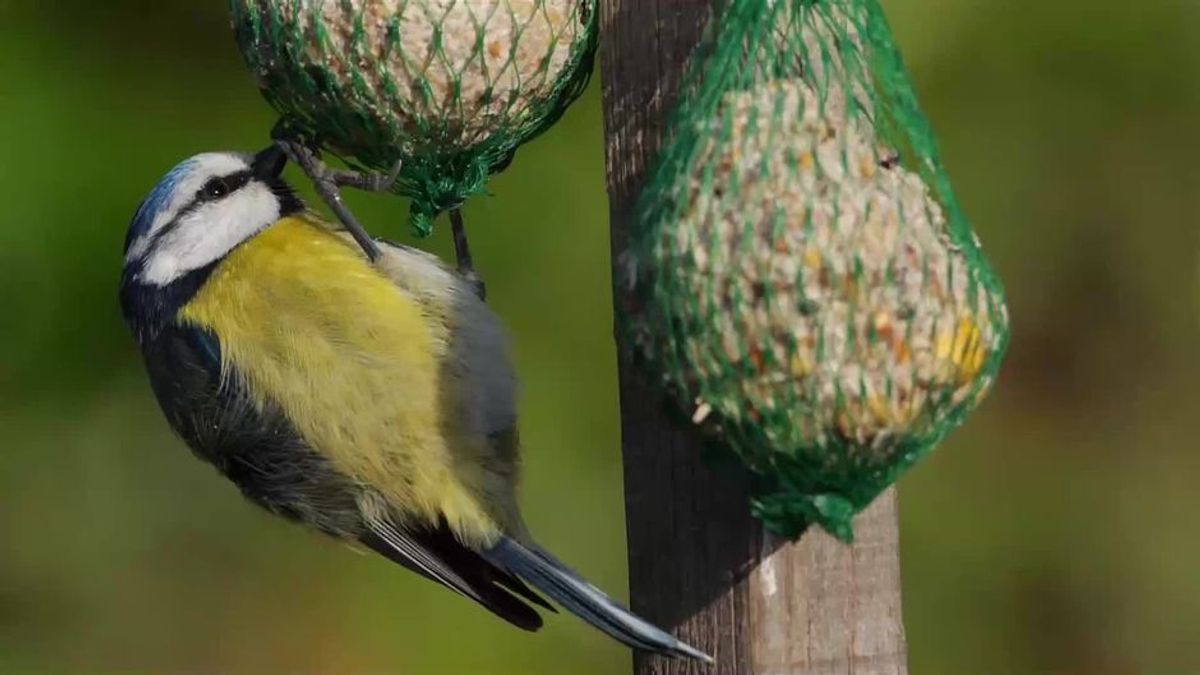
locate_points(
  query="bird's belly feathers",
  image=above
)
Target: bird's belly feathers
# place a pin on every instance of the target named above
(355, 364)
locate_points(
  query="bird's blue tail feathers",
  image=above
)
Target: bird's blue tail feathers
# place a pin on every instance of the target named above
(545, 573)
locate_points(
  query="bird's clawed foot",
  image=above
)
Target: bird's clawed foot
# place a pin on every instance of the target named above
(367, 181)
(328, 182)
(307, 153)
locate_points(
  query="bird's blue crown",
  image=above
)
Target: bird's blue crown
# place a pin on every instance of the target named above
(158, 199)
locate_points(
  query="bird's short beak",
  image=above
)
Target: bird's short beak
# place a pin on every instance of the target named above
(269, 163)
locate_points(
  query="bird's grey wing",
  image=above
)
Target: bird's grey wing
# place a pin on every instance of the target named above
(436, 554)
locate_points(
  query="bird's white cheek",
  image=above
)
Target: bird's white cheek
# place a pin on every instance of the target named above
(162, 269)
(210, 232)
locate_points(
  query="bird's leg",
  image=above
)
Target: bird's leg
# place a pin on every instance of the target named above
(462, 253)
(328, 183)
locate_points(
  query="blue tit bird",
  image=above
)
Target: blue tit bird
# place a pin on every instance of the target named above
(370, 400)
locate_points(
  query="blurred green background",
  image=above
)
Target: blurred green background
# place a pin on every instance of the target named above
(1056, 533)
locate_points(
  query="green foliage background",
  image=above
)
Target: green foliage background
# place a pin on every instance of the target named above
(1055, 534)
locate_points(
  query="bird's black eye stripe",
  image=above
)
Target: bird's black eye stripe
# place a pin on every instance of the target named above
(214, 189)
(221, 186)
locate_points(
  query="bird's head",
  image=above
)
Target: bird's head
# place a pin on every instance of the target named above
(202, 209)
(199, 212)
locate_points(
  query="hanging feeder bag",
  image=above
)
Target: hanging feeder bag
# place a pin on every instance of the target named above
(449, 88)
(804, 280)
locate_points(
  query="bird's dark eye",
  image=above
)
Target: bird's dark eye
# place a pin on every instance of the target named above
(215, 189)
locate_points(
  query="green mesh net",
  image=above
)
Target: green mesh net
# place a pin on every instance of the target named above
(449, 88)
(805, 281)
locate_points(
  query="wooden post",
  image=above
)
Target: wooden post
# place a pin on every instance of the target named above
(698, 564)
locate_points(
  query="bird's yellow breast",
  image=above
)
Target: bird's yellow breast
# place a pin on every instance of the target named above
(355, 363)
